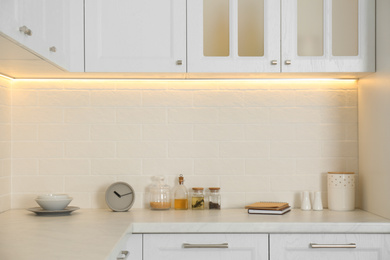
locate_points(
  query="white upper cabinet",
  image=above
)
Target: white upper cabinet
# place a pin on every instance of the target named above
(233, 35)
(53, 29)
(281, 36)
(135, 36)
(328, 36)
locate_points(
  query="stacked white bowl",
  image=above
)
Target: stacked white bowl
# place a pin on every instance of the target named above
(53, 201)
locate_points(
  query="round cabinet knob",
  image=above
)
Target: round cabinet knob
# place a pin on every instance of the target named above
(24, 29)
(52, 49)
(287, 62)
(274, 62)
(179, 62)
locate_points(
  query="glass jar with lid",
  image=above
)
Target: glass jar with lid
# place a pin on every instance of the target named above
(214, 198)
(197, 201)
(159, 195)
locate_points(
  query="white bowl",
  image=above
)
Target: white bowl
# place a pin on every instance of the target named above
(53, 196)
(49, 204)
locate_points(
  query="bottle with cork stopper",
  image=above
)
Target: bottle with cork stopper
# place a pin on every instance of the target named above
(180, 195)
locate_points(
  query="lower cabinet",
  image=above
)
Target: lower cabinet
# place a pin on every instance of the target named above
(329, 246)
(255, 247)
(205, 246)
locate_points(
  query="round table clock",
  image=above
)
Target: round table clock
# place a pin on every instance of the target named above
(120, 196)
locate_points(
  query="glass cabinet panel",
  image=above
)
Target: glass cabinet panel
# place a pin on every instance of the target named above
(216, 28)
(345, 27)
(310, 27)
(250, 27)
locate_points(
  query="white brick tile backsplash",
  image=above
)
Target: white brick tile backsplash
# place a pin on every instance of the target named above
(295, 149)
(64, 167)
(243, 115)
(219, 166)
(193, 149)
(257, 140)
(270, 166)
(245, 184)
(270, 98)
(24, 132)
(113, 98)
(90, 149)
(192, 115)
(170, 132)
(63, 98)
(141, 149)
(218, 99)
(244, 149)
(116, 166)
(115, 132)
(37, 115)
(87, 115)
(24, 166)
(37, 149)
(24, 98)
(218, 132)
(167, 98)
(63, 132)
(167, 166)
(141, 115)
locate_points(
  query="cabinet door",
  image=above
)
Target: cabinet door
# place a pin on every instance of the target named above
(233, 35)
(53, 29)
(328, 35)
(135, 36)
(205, 246)
(329, 246)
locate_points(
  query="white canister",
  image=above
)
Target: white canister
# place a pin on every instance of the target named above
(341, 191)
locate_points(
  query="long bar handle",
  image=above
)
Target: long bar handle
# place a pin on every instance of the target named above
(223, 245)
(314, 245)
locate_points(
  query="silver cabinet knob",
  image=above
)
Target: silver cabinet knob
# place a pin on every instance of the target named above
(24, 29)
(287, 62)
(179, 62)
(274, 62)
(52, 49)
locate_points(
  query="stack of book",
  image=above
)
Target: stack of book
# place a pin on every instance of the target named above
(271, 208)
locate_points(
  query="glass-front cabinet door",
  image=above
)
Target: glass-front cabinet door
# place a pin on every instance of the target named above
(328, 35)
(233, 35)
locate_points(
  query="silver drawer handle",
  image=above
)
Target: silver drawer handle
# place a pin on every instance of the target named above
(351, 245)
(223, 245)
(123, 255)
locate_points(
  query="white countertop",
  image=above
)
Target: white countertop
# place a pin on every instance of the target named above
(93, 234)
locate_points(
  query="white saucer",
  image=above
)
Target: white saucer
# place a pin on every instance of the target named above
(43, 212)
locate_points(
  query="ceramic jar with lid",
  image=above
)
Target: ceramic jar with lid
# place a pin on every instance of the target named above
(341, 191)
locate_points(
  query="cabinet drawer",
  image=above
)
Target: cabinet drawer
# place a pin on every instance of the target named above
(330, 246)
(206, 246)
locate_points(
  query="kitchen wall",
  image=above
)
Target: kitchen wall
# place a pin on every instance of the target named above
(374, 123)
(5, 145)
(257, 140)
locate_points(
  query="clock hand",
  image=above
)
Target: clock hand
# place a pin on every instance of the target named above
(125, 194)
(117, 194)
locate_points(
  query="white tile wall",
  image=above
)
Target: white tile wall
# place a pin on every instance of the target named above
(5, 145)
(257, 140)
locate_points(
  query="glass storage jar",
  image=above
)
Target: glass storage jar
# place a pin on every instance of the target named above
(197, 200)
(214, 198)
(159, 194)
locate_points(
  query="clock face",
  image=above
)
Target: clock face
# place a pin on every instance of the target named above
(120, 196)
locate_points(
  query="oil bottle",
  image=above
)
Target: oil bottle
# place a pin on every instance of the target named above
(180, 195)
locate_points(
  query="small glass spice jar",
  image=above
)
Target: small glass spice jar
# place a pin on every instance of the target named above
(214, 198)
(197, 201)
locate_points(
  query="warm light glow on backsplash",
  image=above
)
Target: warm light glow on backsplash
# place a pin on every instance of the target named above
(187, 84)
